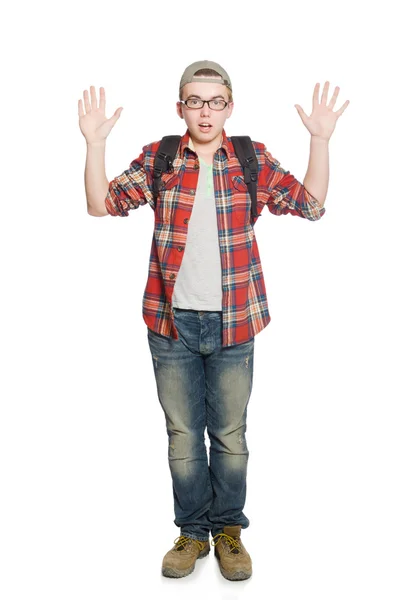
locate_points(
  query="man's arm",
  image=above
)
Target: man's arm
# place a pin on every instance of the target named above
(320, 124)
(96, 183)
(317, 176)
(131, 189)
(286, 194)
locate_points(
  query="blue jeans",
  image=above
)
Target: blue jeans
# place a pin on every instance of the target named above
(201, 384)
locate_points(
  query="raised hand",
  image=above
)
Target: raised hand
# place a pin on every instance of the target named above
(322, 121)
(93, 123)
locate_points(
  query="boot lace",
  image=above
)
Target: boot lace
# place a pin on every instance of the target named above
(182, 541)
(234, 543)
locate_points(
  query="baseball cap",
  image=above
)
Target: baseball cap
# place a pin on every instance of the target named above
(188, 74)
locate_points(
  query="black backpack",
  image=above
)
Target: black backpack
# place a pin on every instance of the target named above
(245, 153)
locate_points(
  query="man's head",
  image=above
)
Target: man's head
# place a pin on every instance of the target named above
(205, 80)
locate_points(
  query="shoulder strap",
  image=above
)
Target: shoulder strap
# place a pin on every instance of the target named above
(245, 151)
(163, 160)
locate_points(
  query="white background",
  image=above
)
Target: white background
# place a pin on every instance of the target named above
(86, 500)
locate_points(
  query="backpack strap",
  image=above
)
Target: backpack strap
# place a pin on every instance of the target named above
(245, 151)
(163, 161)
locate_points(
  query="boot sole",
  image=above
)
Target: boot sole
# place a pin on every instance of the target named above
(177, 573)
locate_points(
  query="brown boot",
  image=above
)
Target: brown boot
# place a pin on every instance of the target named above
(181, 559)
(234, 560)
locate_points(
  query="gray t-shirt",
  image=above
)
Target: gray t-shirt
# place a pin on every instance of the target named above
(198, 285)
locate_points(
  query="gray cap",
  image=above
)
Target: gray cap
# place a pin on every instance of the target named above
(188, 75)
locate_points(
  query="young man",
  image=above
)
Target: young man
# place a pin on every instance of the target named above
(205, 298)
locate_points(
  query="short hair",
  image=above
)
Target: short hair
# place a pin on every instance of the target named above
(208, 73)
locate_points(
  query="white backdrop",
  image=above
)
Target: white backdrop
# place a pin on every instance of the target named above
(86, 502)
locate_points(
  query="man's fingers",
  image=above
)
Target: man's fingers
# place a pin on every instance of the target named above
(94, 104)
(102, 99)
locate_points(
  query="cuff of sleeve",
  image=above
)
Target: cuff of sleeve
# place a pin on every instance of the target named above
(109, 206)
(315, 205)
(116, 206)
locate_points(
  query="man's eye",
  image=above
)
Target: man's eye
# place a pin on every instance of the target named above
(193, 101)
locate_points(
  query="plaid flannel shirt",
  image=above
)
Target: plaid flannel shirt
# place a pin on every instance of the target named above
(245, 309)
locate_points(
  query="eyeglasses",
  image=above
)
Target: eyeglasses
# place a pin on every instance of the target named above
(215, 104)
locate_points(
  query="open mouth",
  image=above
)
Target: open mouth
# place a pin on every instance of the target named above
(205, 126)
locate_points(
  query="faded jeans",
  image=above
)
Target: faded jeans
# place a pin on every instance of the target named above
(202, 385)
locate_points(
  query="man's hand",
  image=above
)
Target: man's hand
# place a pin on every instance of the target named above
(322, 121)
(93, 124)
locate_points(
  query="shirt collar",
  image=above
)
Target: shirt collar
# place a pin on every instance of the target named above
(186, 142)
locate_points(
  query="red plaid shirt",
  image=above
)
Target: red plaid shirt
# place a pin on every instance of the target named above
(244, 302)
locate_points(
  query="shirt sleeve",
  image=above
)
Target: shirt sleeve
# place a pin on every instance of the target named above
(287, 194)
(130, 190)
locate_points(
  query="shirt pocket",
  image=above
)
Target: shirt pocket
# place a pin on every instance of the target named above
(241, 200)
(166, 199)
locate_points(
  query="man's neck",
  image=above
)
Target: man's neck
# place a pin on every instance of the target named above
(206, 150)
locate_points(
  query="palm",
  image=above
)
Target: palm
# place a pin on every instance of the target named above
(322, 120)
(93, 123)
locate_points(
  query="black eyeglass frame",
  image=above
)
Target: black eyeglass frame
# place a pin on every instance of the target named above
(204, 102)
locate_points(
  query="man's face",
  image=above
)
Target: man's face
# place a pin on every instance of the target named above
(195, 116)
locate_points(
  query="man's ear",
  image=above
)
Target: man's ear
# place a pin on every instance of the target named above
(179, 110)
(230, 109)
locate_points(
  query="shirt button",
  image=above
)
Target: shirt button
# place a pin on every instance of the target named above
(186, 220)
(172, 276)
(192, 192)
